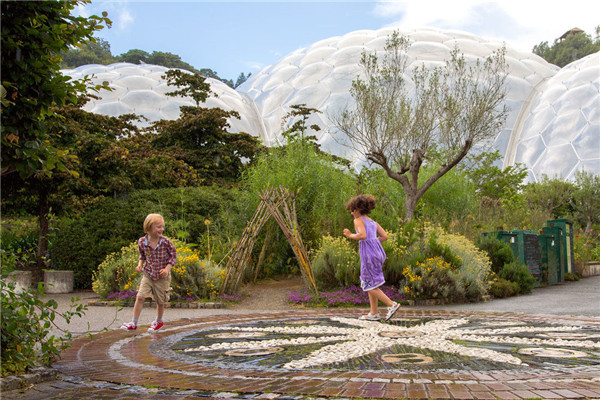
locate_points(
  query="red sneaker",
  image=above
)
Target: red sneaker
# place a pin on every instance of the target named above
(155, 326)
(129, 326)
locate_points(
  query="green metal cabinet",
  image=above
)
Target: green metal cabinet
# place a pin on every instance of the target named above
(550, 256)
(565, 241)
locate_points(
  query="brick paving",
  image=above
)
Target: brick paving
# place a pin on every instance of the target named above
(123, 365)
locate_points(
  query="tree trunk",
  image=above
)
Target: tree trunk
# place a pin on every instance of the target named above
(588, 228)
(410, 203)
(43, 211)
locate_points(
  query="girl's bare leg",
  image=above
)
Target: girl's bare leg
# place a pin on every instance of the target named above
(376, 295)
(373, 302)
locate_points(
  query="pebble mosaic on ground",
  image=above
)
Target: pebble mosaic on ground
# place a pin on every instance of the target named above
(418, 354)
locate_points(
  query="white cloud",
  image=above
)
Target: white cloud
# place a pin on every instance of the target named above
(254, 65)
(118, 12)
(522, 24)
(124, 19)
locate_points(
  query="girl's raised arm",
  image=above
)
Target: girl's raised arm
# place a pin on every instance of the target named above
(381, 234)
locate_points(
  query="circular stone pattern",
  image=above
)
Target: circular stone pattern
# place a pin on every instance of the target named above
(326, 353)
(343, 343)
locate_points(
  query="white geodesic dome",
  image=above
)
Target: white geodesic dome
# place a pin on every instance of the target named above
(321, 75)
(561, 133)
(141, 90)
(552, 127)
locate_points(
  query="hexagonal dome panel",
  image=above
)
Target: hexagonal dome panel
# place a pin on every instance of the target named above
(566, 116)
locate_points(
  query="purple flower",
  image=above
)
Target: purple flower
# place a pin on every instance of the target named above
(127, 294)
(352, 295)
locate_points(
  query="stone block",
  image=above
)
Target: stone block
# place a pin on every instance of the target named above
(21, 279)
(58, 281)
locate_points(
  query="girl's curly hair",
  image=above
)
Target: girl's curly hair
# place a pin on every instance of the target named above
(364, 203)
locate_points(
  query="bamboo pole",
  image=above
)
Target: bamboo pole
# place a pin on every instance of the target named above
(279, 203)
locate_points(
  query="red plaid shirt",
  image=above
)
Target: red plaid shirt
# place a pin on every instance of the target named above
(158, 258)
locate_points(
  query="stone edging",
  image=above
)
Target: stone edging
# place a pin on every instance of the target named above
(37, 375)
(190, 304)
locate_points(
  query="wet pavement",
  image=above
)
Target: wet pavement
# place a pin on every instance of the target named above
(422, 353)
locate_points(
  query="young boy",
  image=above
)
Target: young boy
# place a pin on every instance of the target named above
(157, 256)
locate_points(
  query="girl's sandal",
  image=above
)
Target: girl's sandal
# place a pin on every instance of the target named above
(370, 317)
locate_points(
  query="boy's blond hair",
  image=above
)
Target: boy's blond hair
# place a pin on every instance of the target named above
(150, 220)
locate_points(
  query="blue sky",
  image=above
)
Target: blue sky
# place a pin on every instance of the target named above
(231, 37)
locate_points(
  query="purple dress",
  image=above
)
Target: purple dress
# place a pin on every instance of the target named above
(372, 257)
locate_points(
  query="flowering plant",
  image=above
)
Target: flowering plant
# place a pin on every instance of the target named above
(345, 297)
(191, 277)
(336, 263)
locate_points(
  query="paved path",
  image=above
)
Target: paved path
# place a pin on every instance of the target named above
(124, 365)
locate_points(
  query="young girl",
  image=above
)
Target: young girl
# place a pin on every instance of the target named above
(370, 235)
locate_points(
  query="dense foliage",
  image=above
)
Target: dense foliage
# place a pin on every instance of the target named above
(570, 47)
(191, 277)
(25, 323)
(83, 242)
(433, 264)
(98, 52)
(33, 36)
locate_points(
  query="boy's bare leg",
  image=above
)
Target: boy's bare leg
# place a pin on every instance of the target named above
(138, 306)
(160, 310)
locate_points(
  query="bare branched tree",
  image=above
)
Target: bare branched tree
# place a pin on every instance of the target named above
(396, 122)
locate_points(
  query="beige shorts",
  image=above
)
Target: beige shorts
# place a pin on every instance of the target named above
(158, 290)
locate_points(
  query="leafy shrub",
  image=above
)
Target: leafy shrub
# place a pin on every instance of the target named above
(475, 269)
(336, 263)
(452, 197)
(323, 186)
(497, 250)
(117, 272)
(19, 238)
(586, 248)
(191, 276)
(82, 243)
(397, 258)
(25, 327)
(502, 288)
(431, 279)
(571, 277)
(519, 273)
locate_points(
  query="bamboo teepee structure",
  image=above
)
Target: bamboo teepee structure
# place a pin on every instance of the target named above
(279, 203)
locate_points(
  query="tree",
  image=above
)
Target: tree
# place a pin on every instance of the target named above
(570, 47)
(297, 130)
(453, 107)
(241, 79)
(551, 195)
(199, 136)
(492, 181)
(34, 34)
(169, 60)
(586, 199)
(134, 56)
(95, 52)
